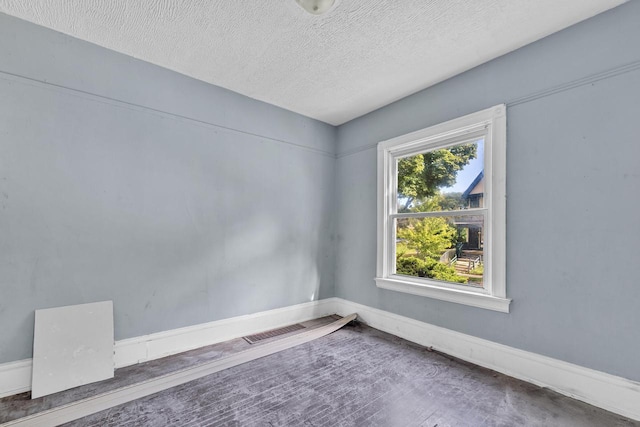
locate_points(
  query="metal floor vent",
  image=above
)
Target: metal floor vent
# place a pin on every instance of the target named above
(251, 339)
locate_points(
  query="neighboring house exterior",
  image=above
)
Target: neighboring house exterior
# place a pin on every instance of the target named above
(473, 197)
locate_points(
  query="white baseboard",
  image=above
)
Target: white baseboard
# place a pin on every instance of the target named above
(606, 391)
(149, 347)
(15, 377)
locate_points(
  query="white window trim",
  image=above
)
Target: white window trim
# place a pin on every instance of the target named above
(490, 124)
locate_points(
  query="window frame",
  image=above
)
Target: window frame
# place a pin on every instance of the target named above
(490, 125)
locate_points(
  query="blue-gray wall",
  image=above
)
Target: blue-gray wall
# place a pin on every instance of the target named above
(180, 201)
(573, 176)
(186, 203)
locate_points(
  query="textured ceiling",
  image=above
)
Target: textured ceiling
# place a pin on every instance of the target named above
(361, 55)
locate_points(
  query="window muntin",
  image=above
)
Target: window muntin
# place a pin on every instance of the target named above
(441, 211)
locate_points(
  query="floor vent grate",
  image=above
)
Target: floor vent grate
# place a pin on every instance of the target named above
(251, 339)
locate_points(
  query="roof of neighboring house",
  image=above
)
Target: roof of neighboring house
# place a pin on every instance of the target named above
(475, 182)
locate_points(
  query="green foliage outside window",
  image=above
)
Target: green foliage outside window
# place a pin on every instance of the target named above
(417, 267)
(429, 237)
(421, 176)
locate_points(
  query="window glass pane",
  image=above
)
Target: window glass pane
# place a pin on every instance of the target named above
(445, 248)
(443, 179)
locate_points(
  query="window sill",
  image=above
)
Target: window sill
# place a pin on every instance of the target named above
(473, 299)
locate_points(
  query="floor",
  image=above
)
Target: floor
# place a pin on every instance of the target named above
(357, 376)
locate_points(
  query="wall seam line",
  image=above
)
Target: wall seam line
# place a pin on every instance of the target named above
(8, 76)
(593, 78)
(543, 93)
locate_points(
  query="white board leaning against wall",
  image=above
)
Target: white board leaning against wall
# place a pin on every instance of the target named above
(72, 346)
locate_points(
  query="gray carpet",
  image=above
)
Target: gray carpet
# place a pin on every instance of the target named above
(355, 376)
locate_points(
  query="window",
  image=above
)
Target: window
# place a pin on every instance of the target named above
(441, 211)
